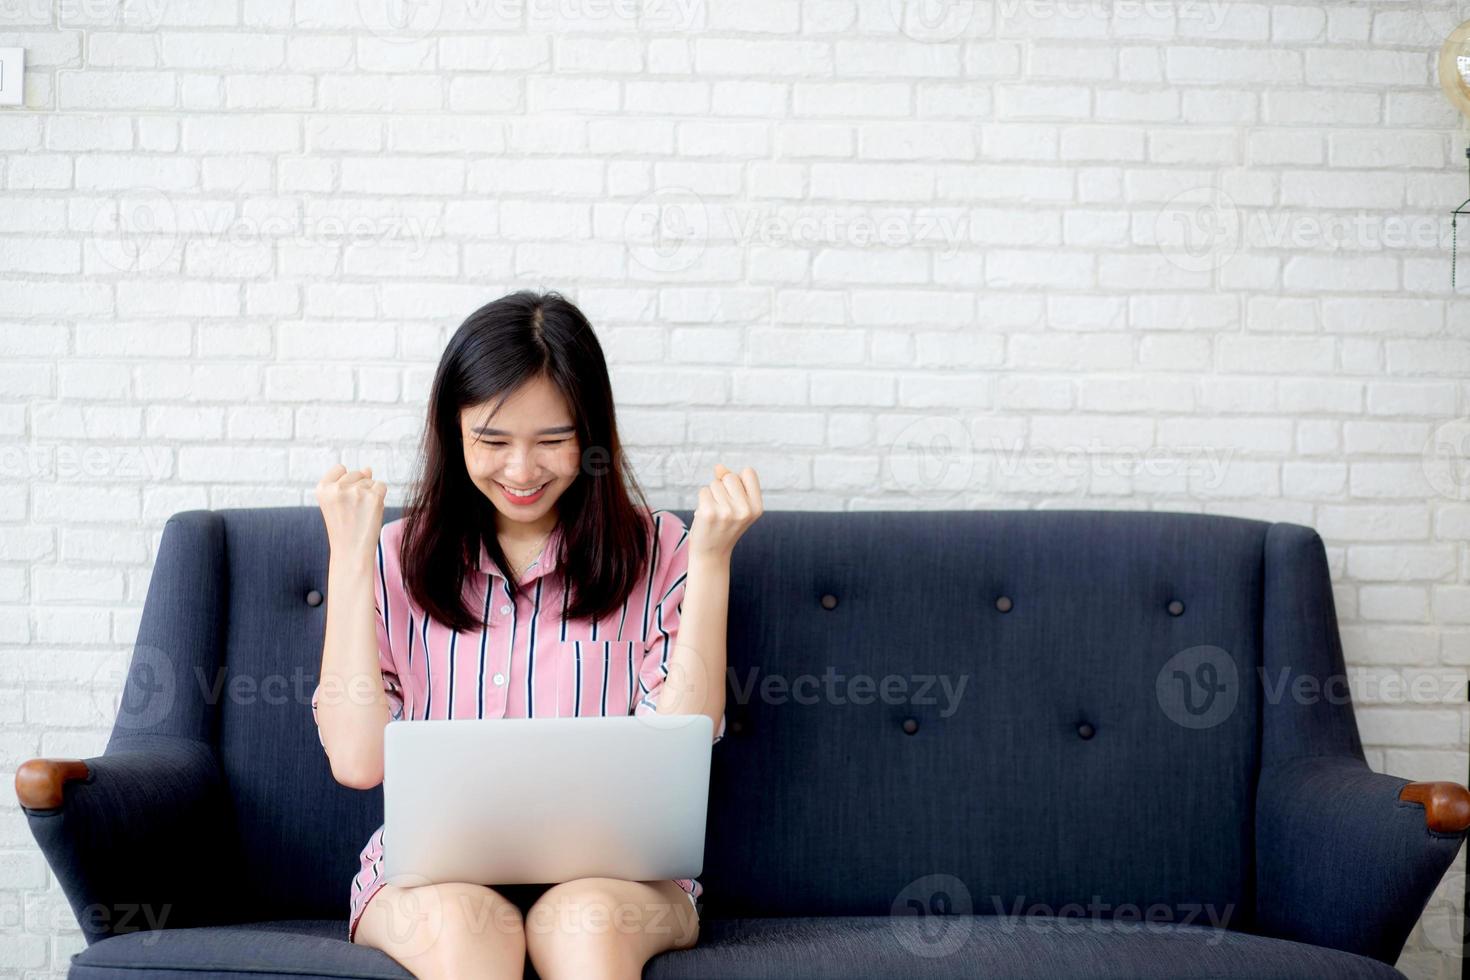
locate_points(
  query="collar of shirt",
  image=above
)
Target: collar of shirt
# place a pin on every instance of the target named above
(544, 564)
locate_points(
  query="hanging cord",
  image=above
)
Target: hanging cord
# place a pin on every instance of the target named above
(1454, 216)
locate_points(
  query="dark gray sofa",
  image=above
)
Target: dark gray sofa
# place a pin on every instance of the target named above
(962, 744)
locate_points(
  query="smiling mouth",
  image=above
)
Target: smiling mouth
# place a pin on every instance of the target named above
(522, 493)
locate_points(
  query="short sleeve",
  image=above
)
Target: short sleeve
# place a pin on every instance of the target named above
(389, 604)
(390, 601)
(663, 603)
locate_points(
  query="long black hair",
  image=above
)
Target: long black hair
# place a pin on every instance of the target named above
(606, 538)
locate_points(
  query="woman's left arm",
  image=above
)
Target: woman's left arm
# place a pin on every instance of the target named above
(728, 506)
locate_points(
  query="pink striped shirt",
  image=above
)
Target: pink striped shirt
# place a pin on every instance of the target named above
(526, 659)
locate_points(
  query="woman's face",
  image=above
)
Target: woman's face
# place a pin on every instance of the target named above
(529, 443)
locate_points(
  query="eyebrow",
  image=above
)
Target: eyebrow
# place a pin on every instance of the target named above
(484, 430)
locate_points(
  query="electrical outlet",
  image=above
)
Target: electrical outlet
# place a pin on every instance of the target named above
(12, 76)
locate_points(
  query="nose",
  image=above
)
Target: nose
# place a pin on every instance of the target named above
(518, 468)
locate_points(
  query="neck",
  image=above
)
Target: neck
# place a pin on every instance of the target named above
(519, 533)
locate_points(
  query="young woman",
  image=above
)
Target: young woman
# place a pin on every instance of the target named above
(521, 581)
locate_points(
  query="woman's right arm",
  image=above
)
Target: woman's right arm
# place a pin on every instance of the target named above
(351, 706)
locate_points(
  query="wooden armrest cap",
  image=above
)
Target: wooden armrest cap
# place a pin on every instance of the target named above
(1446, 805)
(39, 782)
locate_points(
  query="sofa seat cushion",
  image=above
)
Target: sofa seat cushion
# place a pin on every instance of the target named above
(298, 948)
(852, 947)
(845, 947)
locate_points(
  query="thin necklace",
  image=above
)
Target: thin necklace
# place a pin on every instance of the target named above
(522, 570)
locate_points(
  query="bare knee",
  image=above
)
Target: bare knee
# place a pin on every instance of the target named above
(589, 927)
(579, 909)
(447, 929)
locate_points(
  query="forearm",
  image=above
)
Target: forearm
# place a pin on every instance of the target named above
(352, 709)
(696, 669)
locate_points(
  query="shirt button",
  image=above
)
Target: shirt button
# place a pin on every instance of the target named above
(505, 610)
(499, 679)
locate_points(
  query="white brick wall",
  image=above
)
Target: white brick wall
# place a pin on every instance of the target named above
(1204, 235)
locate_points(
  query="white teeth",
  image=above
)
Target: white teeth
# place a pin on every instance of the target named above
(517, 493)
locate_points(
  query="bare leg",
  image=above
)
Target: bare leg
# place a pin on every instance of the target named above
(607, 927)
(447, 930)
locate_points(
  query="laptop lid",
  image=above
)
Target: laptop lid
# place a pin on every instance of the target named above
(530, 800)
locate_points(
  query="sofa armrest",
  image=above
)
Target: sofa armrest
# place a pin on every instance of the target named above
(139, 838)
(1347, 857)
(1446, 805)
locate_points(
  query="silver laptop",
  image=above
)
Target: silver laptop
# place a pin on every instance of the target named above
(504, 801)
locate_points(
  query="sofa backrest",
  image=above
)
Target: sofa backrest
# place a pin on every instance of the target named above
(993, 711)
(1032, 748)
